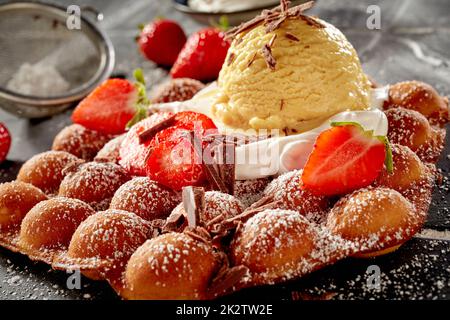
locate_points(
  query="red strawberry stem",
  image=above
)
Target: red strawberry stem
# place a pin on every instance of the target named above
(388, 162)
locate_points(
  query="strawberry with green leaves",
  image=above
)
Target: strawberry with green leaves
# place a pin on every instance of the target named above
(345, 158)
(113, 105)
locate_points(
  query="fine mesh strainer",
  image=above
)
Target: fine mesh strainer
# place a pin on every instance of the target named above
(44, 65)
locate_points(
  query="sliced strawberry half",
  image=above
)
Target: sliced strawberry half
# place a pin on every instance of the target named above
(112, 105)
(132, 152)
(345, 158)
(173, 161)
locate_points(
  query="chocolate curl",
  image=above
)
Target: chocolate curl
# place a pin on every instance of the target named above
(291, 36)
(173, 222)
(194, 205)
(259, 206)
(151, 132)
(220, 169)
(227, 280)
(268, 56)
(224, 228)
(312, 22)
(273, 18)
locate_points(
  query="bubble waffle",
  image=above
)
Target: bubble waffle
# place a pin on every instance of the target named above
(110, 151)
(80, 141)
(171, 266)
(146, 198)
(102, 244)
(45, 170)
(218, 207)
(16, 199)
(47, 228)
(93, 182)
(280, 234)
(286, 188)
(375, 219)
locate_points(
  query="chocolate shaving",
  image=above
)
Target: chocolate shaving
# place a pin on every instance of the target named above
(174, 222)
(215, 220)
(252, 59)
(231, 58)
(284, 4)
(281, 104)
(194, 205)
(272, 26)
(272, 40)
(312, 22)
(151, 132)
(226, 226)
(233, 32)
(290, 36)
(220, 169)
(227, 280)
(268, 56)
(250, 212)
(194, 235)
(273, 18)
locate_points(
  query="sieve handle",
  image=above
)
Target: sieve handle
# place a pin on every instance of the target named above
(90, 9)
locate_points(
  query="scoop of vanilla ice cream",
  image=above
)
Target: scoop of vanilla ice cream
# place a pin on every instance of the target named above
(317, 75)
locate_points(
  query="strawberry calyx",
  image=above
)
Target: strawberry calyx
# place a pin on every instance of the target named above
(142, 99)
(388, 162)
(222, 25)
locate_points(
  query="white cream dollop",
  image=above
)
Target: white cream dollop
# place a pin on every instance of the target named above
(280, 154)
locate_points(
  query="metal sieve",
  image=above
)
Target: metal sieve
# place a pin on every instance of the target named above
(35, 35)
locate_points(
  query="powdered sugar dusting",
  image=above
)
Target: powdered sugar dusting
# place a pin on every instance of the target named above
(146, 198)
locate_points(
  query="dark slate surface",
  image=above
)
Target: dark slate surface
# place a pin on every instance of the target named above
(413, 43)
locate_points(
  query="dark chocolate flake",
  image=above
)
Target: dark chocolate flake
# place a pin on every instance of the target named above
(292, 37)
(272, 19)
(230, 59)
(227, 280)
(268, 56)
(151, 132)
(312, 22)
(194, 205)
(252, 59)
(272, 40)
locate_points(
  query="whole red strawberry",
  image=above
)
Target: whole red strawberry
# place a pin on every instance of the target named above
(5, 142)
(345, 158)
(202, 56)
(161, 41)
(113, 105)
